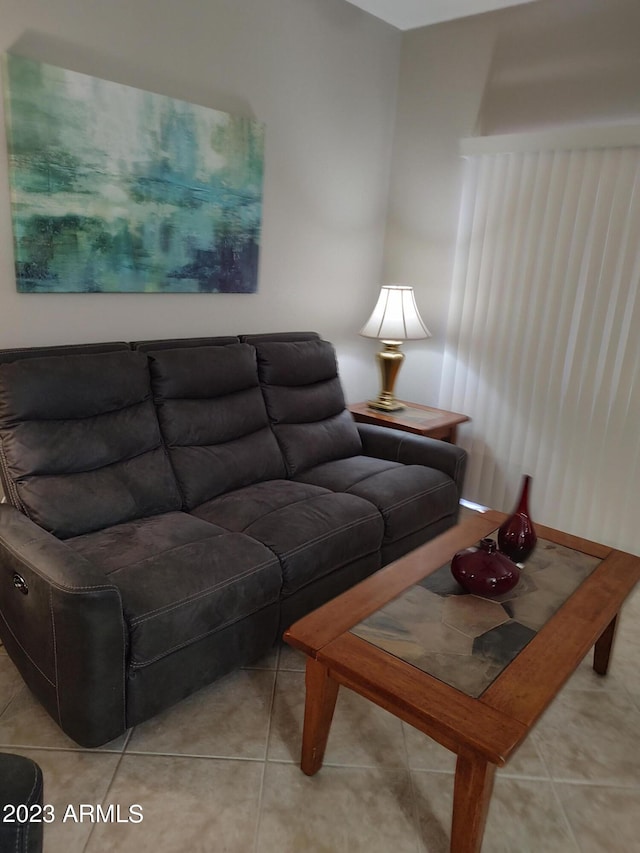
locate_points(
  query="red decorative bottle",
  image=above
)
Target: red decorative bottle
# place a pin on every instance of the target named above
(517, 537)
(483, 570)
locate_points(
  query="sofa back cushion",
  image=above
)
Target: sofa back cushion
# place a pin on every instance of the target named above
(80, 442)
(20, 353)
(273, 337)
(305, 403)
(214, 420)
(180, 343)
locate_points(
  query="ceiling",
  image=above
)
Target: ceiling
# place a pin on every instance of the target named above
(409, 14)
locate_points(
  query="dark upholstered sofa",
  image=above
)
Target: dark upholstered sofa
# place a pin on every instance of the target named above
(172, 506)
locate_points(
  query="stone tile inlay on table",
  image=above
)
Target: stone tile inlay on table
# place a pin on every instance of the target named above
(464, 640)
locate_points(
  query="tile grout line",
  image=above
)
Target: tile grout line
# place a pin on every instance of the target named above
(256, 831)
(563, 812)
(595, 783)
(109, 787)
(414, 798)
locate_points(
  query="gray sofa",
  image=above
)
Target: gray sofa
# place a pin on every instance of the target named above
(174, 505)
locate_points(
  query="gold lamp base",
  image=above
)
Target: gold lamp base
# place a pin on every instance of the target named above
(389, 361)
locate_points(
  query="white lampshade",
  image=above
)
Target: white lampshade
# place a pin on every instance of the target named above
(395, 317)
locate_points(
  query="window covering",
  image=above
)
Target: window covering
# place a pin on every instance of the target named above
(543, 337)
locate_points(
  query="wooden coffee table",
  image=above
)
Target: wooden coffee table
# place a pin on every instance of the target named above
(482, 724)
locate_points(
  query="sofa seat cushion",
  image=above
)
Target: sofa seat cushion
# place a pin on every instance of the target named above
(180, 579)
(312, 530)
(409, 497)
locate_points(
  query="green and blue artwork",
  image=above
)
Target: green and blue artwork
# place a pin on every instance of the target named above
(114, 189)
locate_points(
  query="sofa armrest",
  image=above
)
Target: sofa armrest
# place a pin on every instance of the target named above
(410, 449)
(64, 630)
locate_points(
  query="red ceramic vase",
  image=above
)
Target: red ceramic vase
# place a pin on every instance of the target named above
(484, 571)
(517, 537)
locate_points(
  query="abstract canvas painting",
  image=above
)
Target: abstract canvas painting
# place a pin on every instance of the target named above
(115, 189)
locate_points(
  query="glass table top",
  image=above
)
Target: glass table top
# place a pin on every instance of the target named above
(464, 640)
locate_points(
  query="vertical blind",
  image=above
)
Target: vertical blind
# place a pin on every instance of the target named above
(543, 339)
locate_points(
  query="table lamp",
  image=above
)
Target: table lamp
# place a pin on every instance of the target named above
(395, 319)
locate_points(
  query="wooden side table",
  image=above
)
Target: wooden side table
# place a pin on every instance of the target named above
(421, 420)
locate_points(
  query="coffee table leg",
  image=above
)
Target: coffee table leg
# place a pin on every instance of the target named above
(602, 648)
(471, 796)
(322, 692)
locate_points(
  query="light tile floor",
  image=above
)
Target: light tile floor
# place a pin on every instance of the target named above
(219, 771)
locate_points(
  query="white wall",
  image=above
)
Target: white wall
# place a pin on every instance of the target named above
(547, 64)
(442, 78)
(322, 75)
(540, 65)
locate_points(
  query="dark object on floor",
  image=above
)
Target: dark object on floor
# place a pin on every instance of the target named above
(21, 816)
